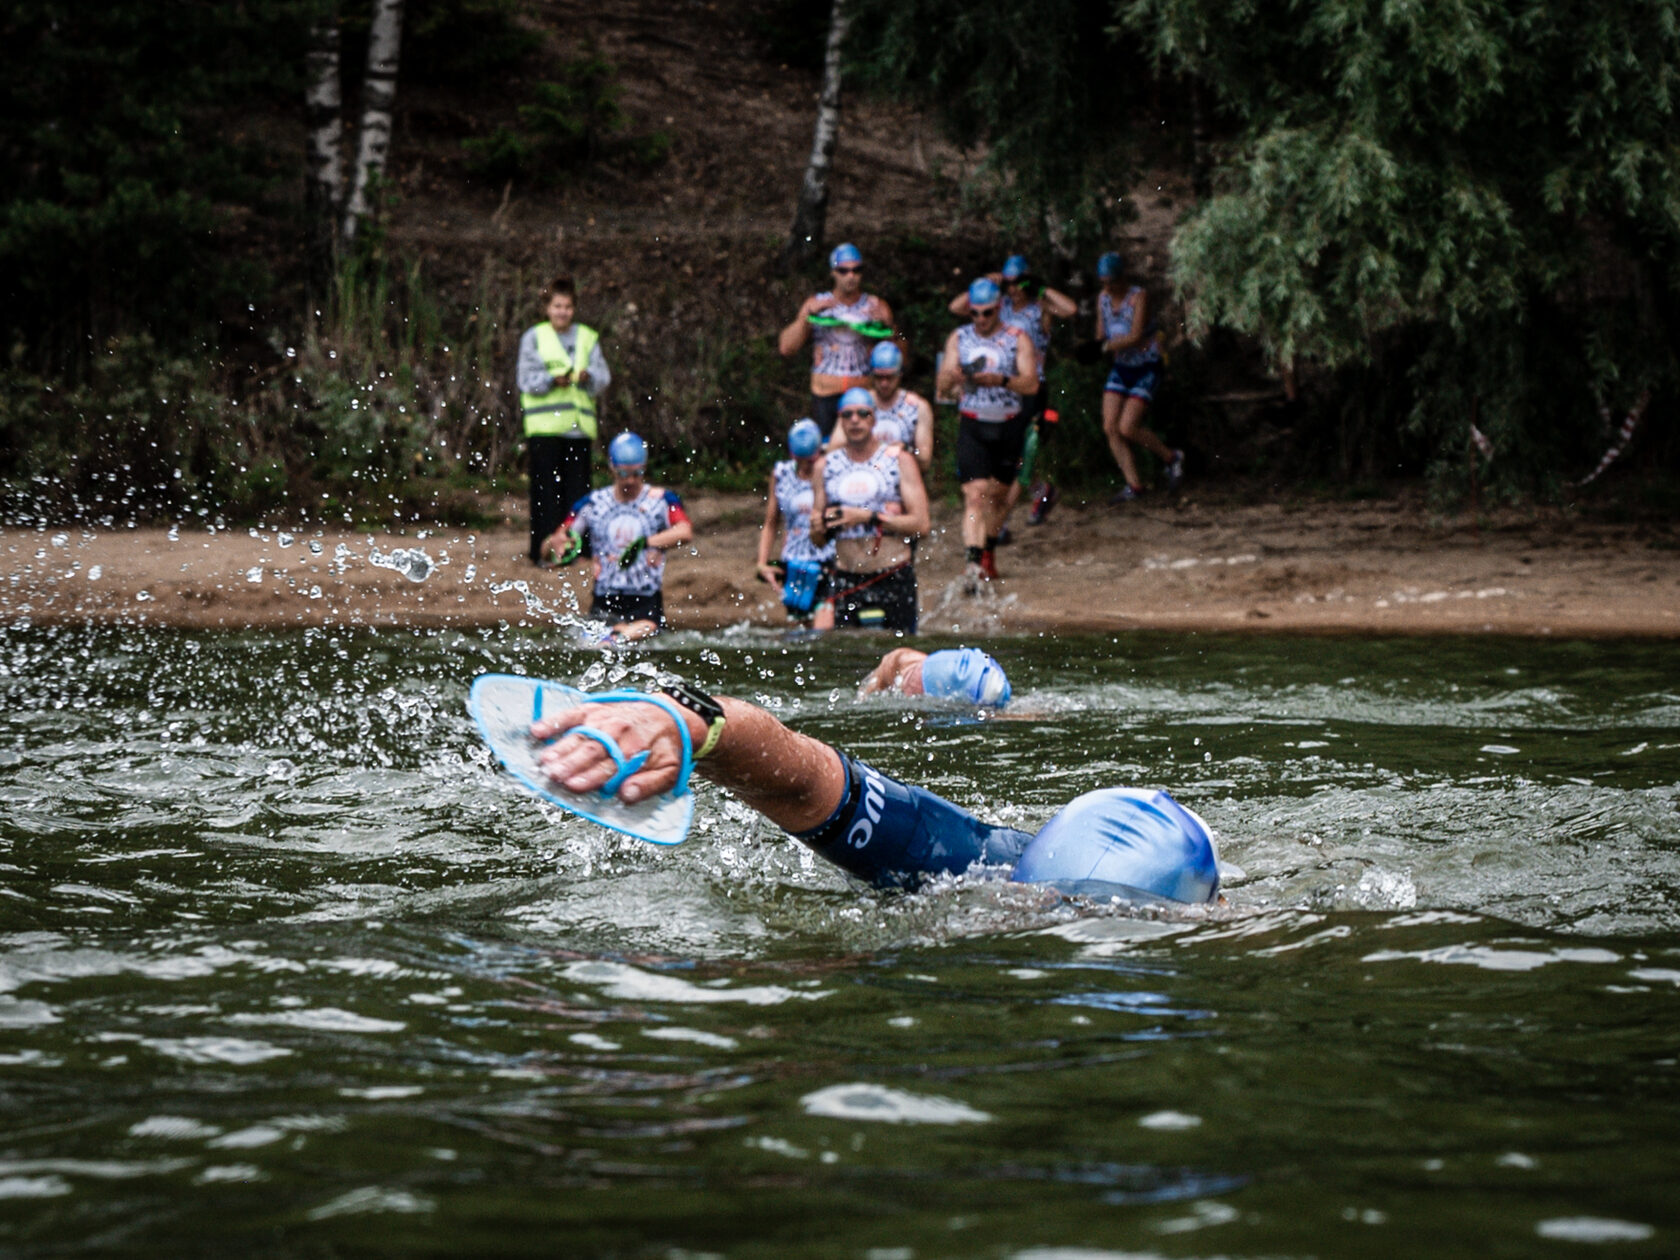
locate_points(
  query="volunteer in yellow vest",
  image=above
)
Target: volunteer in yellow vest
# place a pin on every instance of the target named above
(561, 374)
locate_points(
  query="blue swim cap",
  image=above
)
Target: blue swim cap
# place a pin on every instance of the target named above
(886, 357)
(1132, 837)
(847, 253)
(1015, 266)
(982, 292)
(804, 439)
(627, 451)
(965, 674)
(857, 396)
(1109, 266)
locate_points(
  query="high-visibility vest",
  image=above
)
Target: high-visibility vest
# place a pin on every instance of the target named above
(566, 409)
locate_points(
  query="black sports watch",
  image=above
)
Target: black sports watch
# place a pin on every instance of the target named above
(702, 706)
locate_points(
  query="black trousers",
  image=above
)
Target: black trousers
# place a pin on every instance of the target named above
(559, 478)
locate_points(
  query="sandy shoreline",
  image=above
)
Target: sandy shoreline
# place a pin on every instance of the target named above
(1196, 565)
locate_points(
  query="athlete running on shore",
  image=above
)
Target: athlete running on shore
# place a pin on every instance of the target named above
(1127, 332)
(965, 674)
(871, 501)
(991, 366)
(626, 527)
(902, 418)
(839, 352)
(804, 579)
(1114, 841)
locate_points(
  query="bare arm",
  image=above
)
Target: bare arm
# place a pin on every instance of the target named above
(797, 335)
(767, 533)
(950, 371)
(819, 501)
(884, 677)
(924, 433)
(1025, 380)
(1058, 303)
(793, 780)
(914, 520)
(681, 532)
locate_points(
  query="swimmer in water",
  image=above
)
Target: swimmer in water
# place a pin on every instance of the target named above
(1129, 842)
(965, 674)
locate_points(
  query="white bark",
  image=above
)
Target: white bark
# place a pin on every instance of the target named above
(324, 116)
(811, 216)
(379, 91)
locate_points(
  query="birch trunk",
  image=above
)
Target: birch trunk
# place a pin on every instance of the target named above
(379, 90)
(810, 219)
(324, 116)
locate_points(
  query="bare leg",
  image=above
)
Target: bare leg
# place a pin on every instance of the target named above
(1117, 444)
(979, 513)
(1133, 429)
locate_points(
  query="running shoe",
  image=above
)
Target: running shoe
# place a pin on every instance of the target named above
(973, 575)
(1044, 498)
(1175, 471)
(1004, 537)
(1124, 495)
(988, 565)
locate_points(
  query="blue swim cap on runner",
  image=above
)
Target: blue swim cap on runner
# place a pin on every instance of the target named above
(847, 253)
(965, 674)
(1109, 266)
(982, 292)
(804, 438)
(1015, 266)
(857, 396)
(1132, 837)
(627, 451)
(886, 357)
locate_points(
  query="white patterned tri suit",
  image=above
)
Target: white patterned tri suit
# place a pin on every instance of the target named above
(795, 496)
(896, 421)
(632, 593)
(1030, 320)
(839, 352)
(885, 599)
(1136, 371)
(991, 427)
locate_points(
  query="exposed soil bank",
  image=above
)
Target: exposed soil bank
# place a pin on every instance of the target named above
(1195, 565)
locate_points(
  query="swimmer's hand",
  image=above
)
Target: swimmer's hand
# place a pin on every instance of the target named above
(554, 556)
(628, 556)
(579, 764)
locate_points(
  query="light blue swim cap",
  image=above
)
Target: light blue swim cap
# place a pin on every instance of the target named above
(1109, 266)
(1015, 266)
(965, 674)
(627, 451)
(1131, 837)
(886, 357)
(982, 292)
(847, 253)
(804, 438)
(856, 396)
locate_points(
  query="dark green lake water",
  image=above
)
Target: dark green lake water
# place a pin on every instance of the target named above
(287, 968)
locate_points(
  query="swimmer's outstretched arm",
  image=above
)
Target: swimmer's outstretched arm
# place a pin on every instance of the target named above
(793, 780)
(885, 676)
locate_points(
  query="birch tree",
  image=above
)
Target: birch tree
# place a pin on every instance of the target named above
(324, 116)
(379, 91)
(811, 217)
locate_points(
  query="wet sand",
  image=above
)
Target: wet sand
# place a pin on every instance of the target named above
(1196, 565)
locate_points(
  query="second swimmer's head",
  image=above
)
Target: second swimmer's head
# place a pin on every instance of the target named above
(804, 439)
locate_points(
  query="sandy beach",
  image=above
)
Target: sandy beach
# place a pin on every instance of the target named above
(1197, 564)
